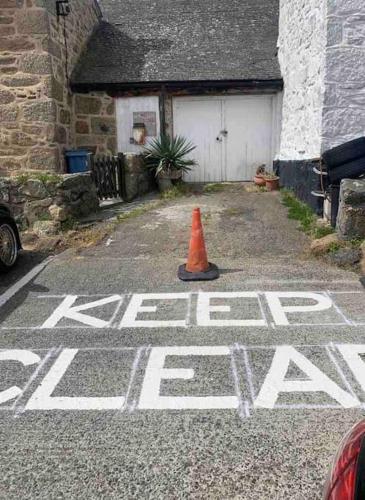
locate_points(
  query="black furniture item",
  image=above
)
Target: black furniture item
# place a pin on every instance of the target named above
(346, 161)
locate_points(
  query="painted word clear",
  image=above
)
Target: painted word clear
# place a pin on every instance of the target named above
(51, 368)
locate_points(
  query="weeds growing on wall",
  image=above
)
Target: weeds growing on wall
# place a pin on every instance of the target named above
(44, 177)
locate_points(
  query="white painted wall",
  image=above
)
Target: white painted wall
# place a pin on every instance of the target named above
(125, 107)
(322, 59)
(344, 103)
(302, 42)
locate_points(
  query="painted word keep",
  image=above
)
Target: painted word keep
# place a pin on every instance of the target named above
(213, 309)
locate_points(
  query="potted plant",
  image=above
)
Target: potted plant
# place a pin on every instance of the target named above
(166, 156)
(272, 181)
(259, 178)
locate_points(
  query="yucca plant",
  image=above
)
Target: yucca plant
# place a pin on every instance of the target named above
(166, 155)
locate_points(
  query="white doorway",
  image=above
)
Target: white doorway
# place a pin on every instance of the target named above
(233, 135)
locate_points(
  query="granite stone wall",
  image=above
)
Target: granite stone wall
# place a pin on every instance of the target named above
(95, 122)
(351, 212)
(49, 199)
(36, 107)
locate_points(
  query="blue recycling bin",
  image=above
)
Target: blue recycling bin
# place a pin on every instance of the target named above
(77, 161)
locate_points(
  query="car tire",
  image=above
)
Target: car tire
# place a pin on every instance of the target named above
(8, 247)
(345, 153)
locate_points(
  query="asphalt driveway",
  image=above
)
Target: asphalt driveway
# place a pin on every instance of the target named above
(119, 381)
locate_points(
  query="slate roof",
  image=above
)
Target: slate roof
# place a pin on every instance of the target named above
(182, 40)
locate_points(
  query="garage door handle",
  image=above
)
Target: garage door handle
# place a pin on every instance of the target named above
(218, 139)
(224, 132)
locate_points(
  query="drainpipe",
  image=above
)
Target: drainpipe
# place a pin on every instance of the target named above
(162, 106)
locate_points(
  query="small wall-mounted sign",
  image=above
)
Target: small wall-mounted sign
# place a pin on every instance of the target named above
(139, 133)
(149, 119)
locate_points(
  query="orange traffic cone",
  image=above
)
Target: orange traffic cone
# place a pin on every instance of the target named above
(197, 268)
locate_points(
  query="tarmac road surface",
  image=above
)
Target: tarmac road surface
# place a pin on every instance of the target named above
(119, 381)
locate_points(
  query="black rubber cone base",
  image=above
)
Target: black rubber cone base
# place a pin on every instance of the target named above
(212, 273)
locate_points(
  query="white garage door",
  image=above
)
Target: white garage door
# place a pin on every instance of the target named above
(233, 135)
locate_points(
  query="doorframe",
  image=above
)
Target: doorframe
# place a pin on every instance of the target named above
(276, 112)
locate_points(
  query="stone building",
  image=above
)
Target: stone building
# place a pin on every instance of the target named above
(248, 82)
(39, 116)
(322, 60)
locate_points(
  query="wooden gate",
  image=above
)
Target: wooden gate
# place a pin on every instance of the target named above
(108, 173)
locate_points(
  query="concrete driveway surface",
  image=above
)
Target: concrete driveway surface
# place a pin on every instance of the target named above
(119, 381)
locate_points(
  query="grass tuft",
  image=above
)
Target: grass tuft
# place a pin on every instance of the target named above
(136, 212)
(44, 177)
(69, 224)
(304, 215)
(321, 231)
(334, 247)
(213, 188)
(177, 191)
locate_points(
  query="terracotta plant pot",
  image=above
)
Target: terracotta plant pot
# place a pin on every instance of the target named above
(259, 180)
(272, 184)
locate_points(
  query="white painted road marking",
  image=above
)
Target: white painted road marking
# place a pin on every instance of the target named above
(279, 312)
(67, 310)
(181, 305)
(135, 307)
(150, 395)
(26, 358)
(42, 398)
(352, 355)
(6, 296)
(273, 384)
(204, 308)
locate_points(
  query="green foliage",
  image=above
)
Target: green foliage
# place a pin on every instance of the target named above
(357, 242)
(45, 177)
(334, 247)
(304, 214)
(270, 176)
(233, 211)
(136, 212)
(213, 188)
(179, 189)
(299, 211)
(321, 231)
(168, 155)
(44, 216)
(69, 224)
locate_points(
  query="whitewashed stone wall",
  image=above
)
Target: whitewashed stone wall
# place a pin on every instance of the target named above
(302, 42)
(322, 59)
(344, 103)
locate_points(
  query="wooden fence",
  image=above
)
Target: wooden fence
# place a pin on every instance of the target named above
(108, 173)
